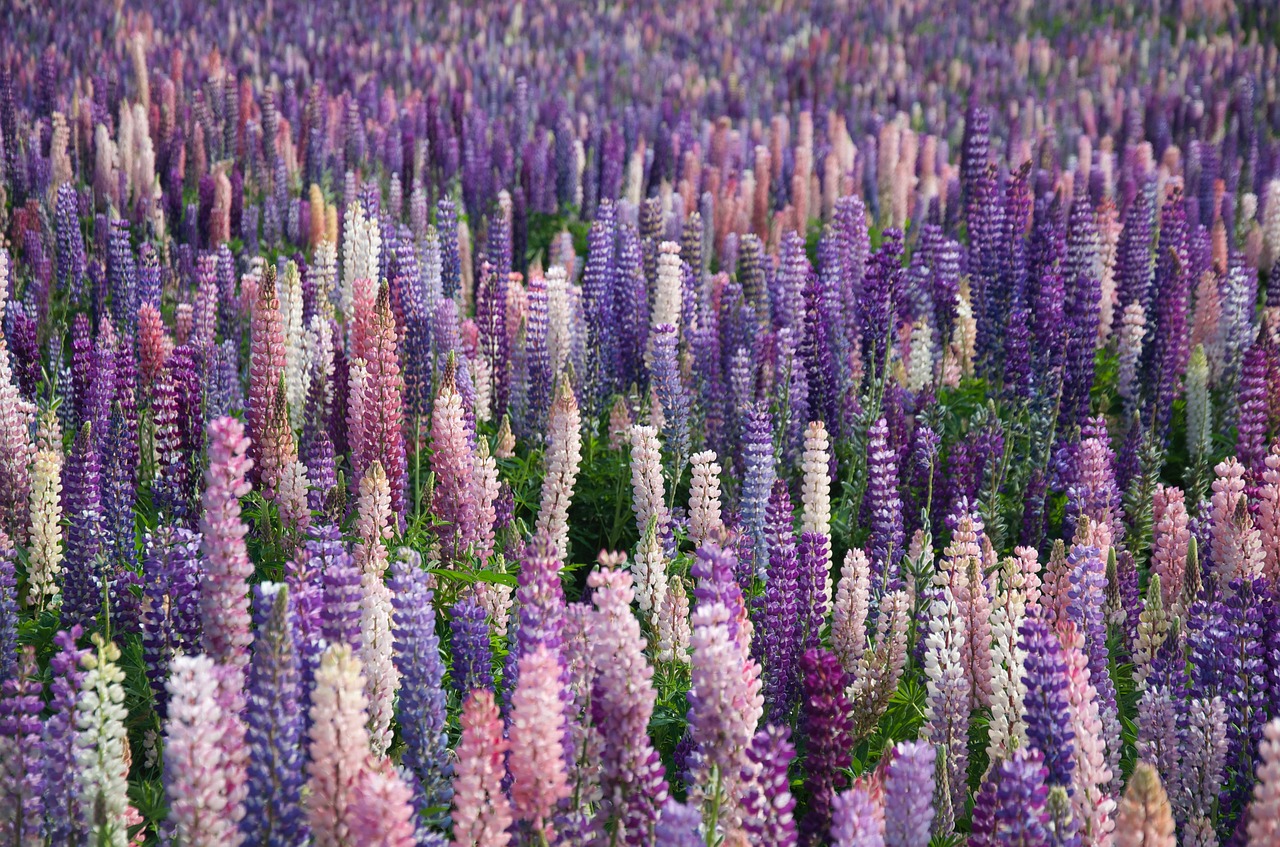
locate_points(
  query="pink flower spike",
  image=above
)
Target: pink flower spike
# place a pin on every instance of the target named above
(481, 811)
(224, 598)
(382, 813)
(537, 733)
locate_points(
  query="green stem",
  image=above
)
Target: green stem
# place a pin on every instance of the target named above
(713, 820)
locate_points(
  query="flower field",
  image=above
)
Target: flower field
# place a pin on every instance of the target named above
(614, 424)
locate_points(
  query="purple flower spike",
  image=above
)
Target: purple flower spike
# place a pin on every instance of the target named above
(908, 795)
(828, 740)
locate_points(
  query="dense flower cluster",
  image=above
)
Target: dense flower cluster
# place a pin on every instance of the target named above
(602, 424)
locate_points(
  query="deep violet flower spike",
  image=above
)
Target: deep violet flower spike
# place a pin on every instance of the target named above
(827, 728)
(888, 536)
(880, 290)
(120, 465)
(471, 649)
(1017, 805)
(1045, 701)
(779, 625)
(66, 816)
(421, 709)
(450, 261)
(83, 586)
(171, 605)
(71, 256)
(340, 622)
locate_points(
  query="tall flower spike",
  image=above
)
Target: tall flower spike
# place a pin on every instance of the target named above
(266, 362)
(1087, 598)
(21, 799)
(195, 781)
(828, 732)
(481, 811)
(564, 456)
(8, 609)
(63, 800)
(1133, 328)
(1170, 538)
(1017, 804)
(537, 734)
(224, 600)
(378, 434)
(670, 390)
(339, 746)
(1092, 803)
(422, 699)
(1143, 818)
(648, 501)
(724, 707)
(1094, 494)
(767, 805)
(908, 795)
(969, 588)
(277, 453)
(1018, 578)
(375, 527)
(121, 456)
(1046, 703)
(1159, 705)
(849, 614)
(1153, 629)
(777, 613)
(758, 474)
(16, 447)
(1251, 424)
(102, 745)
(815, 492)
(274, 731)
(44, 551)
(454, 498)
(1199, 410)
(1269, 514)
(471, 649)
(814, 585)
(672, 625)
(888, 537)
(83, 589)
(704, 497)
(1203, 742)
(1236, 551)
(947, 707)
(297, 374)
(171, 609)
(541, 605)
(882, 664)
(623, 698)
